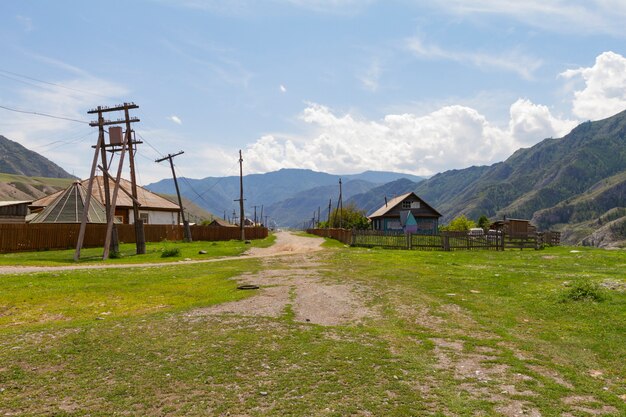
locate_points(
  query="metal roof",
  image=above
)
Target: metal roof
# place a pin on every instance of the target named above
(69, 206)
(147, 199)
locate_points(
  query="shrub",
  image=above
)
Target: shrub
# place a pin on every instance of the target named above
(583, 290)
(170, 253)
(459, 224)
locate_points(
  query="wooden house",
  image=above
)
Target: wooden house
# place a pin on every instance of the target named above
(153, 209)
(407, 213)
(217, 222)
(13, 211)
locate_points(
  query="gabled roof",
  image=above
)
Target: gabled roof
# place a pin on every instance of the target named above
(69, 205)
(221, 223)
(394, 202)
(13, 203)
(147, 199)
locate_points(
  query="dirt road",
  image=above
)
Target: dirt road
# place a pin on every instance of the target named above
(286, 243)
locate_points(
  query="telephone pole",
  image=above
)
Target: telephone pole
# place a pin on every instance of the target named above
(115, 145)
(186, 228)
(330, 209)
(340, 206)
(242, 215)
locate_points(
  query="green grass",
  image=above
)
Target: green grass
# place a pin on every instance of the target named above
(148, 355)
(127, 253)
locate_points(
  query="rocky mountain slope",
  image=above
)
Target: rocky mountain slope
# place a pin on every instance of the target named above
(569, 184)
(16, 159)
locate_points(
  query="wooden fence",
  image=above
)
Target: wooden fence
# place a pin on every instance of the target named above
(43, 236)
(446, 241)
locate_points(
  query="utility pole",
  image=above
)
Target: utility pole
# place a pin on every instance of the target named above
(340, 206)
(319, 220)
(261, 218)
(330, 209)
(140, 237)
(124, 145)
(186, 228)
(242, 215)
(114, 245)
(255, 215)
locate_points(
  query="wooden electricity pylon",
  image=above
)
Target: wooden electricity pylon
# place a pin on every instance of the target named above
(186, 228)
(127, 144)
(242, 217)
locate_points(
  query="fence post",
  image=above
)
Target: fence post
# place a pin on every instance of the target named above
(446, 242)
(409, 241)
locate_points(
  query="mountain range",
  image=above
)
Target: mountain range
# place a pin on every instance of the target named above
(575, 184)
(288, 196)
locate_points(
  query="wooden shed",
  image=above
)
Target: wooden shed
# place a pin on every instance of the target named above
(13, 211)
(514, 227)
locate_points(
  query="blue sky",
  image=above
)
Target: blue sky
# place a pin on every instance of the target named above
(340, 86)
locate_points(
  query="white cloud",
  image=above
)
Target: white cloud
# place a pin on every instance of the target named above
(450, 137)
(26, 22)
(282, 89)
(532, 122)
(568, 16)
(512, 61)
(331, 6)
(604, 92)
(370, 77)
(175, 119)
(65, 142)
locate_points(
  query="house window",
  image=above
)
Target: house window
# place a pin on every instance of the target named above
(145, 217)
(408, 204)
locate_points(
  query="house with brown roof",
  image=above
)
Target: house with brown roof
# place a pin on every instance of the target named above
(406, 213)
(153, 209)
(13, 211)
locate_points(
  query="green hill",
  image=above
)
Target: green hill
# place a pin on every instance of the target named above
(16, 159)
(567, 184)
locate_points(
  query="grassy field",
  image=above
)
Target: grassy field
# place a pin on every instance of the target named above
(127, 255)
(450, 334)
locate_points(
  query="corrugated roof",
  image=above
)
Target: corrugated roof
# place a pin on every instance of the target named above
(147, 199)
(13, 203)
(395, 201)
(390, 205)
(69, 207)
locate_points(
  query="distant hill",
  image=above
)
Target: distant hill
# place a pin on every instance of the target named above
(304, 205)
(16, 159)
(288, 196)
(573, 184)
(21, 188)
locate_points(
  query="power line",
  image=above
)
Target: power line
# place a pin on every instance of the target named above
(45, 82)
(43, 114)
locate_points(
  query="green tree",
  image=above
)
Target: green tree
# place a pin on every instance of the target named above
(483, 222)
(459, 224)
(351, 218)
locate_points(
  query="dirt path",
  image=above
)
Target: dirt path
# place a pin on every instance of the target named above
(296, 283)
(287, 243)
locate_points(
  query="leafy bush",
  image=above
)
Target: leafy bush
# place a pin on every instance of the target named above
(459, 224)
(351, 218)
(170, 253)
(583, 290)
